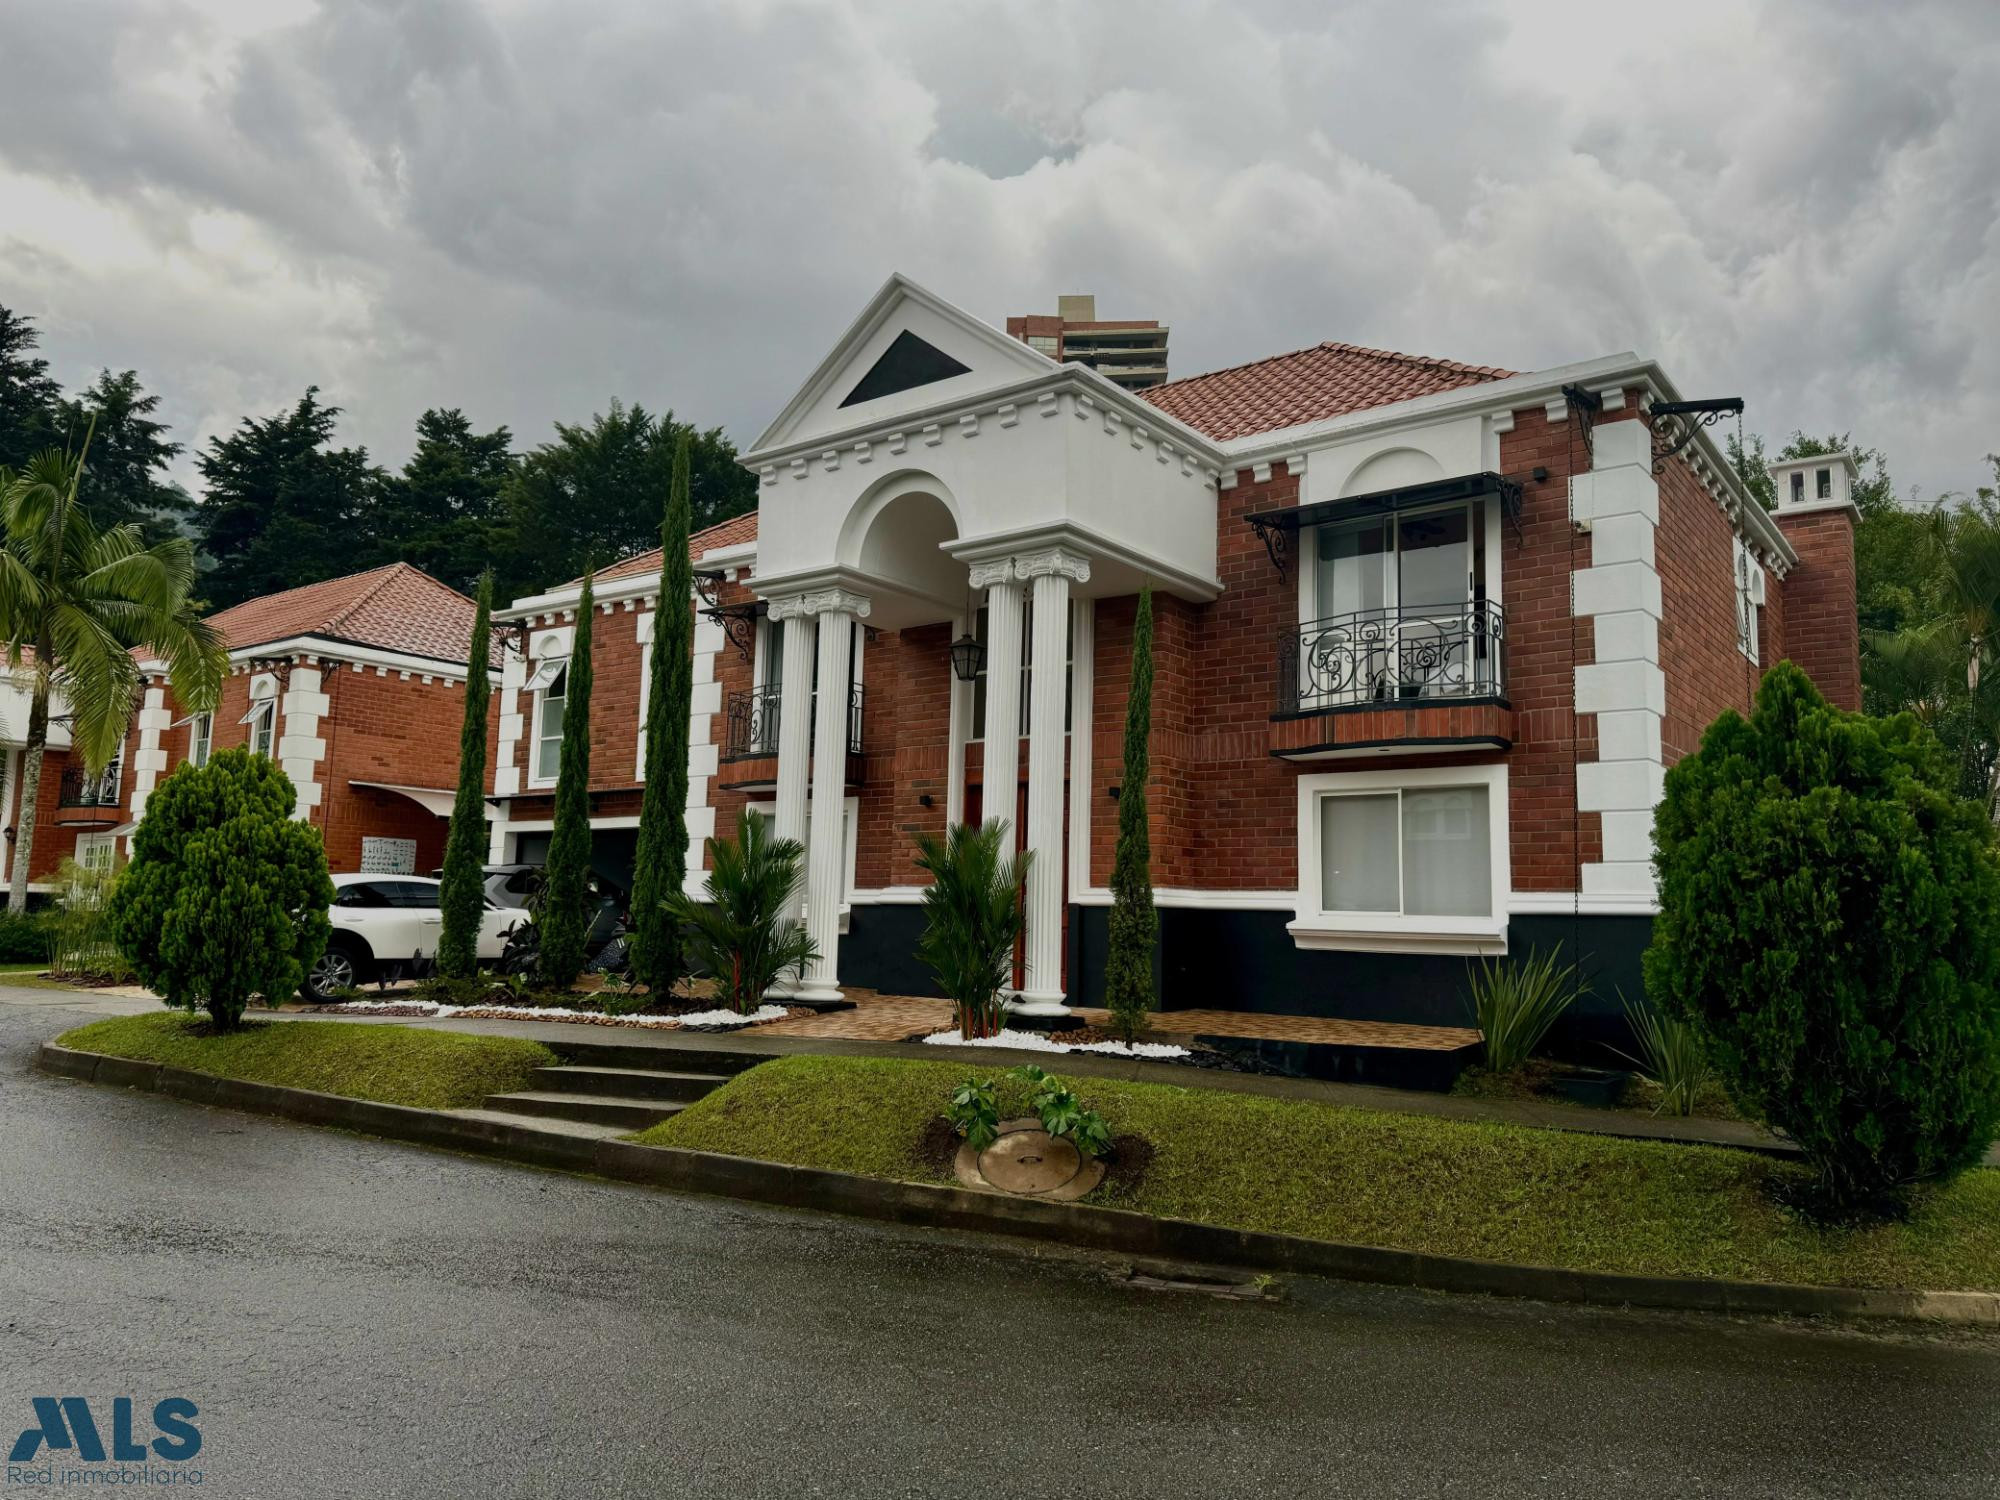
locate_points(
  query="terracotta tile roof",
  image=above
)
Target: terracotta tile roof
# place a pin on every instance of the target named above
(394, 608)
(1307, 386)
(730, 533)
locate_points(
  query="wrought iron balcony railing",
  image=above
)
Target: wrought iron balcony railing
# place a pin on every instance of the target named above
(1383, 656)
(80, 790)
(751, 719)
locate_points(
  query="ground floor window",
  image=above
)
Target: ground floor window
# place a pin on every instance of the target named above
(97, 852)
(850, 822)
(1409, 858)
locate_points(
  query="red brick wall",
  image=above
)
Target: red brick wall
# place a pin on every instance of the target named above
(1821, 631)
(1706, 669)
(380, 727)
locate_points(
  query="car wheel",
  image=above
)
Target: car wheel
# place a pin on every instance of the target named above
(340, 968)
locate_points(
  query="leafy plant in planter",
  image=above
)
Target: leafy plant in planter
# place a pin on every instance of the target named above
(974, 1113)
(1514, 1005)
(747, 932)
(974, 918)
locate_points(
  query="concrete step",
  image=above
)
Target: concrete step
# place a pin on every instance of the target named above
(673, 1052)
(546, 1124)
(627, 1083)
(625, 1114)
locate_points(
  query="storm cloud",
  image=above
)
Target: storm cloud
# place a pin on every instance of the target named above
(528, 207)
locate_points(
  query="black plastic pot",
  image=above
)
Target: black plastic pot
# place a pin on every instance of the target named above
(1600, 1087)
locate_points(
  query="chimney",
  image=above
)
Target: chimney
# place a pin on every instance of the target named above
(1817, 514)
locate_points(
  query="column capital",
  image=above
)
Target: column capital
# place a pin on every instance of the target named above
(1058, 562)
(996, 570)
(821, 602)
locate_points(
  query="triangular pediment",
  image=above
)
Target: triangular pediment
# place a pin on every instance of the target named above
(909, 350)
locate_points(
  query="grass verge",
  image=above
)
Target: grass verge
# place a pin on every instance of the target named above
(388, 1064)
(1405, 1182)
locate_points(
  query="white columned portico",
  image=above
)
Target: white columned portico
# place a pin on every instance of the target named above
(1052, 573)
(1003, 685)
(794, 715)
(836, 609)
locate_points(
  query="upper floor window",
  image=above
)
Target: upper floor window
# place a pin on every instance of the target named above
(1749, 591)
(1823, 484)
(1798, 487)
(263, 722)
(549, 721)
(201, 739)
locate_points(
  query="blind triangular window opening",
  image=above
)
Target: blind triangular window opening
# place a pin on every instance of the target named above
(907, 363)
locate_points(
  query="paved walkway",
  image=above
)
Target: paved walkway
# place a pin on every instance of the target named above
(896, 1018)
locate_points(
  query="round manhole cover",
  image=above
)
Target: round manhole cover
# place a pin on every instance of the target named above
(1029, 1161)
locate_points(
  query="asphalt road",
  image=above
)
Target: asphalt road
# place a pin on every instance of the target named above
(359, 1318)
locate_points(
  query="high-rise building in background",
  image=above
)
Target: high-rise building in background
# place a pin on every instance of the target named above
(1132, 353)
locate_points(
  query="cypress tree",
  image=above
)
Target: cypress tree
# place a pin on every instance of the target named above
(663, 838)
(462, 894)
(1135, 925)
(566, 906)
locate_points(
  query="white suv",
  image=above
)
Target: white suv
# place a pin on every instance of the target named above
(389, 921)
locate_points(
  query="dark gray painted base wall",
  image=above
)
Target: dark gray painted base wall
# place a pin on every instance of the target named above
(1245, 960)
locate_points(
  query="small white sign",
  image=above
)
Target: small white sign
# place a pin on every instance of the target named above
(388, 856)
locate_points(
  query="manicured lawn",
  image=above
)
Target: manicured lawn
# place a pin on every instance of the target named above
(388, 1064)
(1408, 1182)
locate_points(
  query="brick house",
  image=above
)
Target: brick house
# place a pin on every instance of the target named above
(356, 685)
(1428, 636)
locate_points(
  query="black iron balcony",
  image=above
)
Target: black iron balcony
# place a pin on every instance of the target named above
(81, 790)
(1379, 657)
(751, 721)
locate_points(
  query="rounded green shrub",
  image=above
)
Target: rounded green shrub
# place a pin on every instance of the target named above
(1827, 910)
(226, 896)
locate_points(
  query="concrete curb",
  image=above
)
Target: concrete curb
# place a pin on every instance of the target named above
(1080, 1225)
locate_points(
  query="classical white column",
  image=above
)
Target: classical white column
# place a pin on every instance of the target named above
(1003, 685)
(794, 715)
(826, 857)
(1052, 573)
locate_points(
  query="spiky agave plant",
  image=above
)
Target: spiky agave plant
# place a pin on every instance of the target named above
(974, 918)
(746, 929)
(1671, 1056)
(1516, 1004)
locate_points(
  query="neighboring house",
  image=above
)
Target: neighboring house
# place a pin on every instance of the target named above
(356, 686)
(1428, 636)
(16, 699)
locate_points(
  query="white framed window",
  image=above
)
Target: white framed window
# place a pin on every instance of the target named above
(1749, 592)
(980, 628)
(1404, 861)
(201, 739)
(545, 750)
(263, 716)
(97, 852)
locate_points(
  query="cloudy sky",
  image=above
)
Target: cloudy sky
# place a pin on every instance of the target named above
(527, 207)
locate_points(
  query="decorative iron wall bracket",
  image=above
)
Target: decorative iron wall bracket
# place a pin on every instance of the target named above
(739, 623)
(1584, 406)
(1675, 424)
(1276, 533)
(708, 585)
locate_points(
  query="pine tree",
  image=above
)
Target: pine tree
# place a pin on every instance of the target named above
(462, 895)
(566, 907)
(1135, 925)
(663, 839)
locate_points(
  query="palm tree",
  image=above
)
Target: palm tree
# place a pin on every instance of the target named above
(744, 931)
(972, 910)
(74, 603)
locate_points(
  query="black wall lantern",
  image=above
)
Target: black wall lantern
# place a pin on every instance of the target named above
(967, 657)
